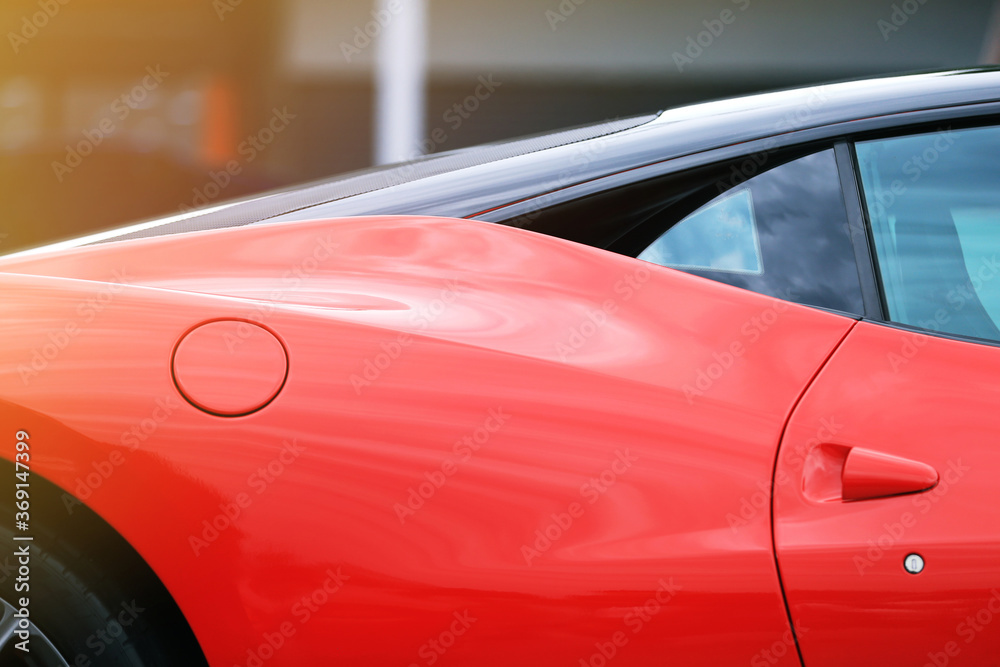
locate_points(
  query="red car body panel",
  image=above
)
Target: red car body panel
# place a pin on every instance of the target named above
(924, 399)
(492, 447)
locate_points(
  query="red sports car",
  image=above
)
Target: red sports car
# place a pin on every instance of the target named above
(721, 388)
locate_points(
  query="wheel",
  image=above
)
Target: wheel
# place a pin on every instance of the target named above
(91, 602)
(38, 650)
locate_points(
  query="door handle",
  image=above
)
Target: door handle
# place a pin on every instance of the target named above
(868, 474)
(838, 472)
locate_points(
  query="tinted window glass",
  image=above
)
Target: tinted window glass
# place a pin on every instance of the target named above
(720, 236)
(783, 233)
(934, 208)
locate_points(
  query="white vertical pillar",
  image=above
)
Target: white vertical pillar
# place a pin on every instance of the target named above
(990, 53)
(400, 79)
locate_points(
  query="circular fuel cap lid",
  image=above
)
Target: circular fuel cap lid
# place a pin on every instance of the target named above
(229, 368)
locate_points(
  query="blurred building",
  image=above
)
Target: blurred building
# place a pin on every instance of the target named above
(117, 110)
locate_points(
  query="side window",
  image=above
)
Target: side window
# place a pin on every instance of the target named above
(783, 233)
(720, 236)
(934, 208)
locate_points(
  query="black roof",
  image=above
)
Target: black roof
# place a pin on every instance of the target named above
(468, 182)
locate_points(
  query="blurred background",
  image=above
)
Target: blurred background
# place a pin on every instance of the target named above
(112, 111)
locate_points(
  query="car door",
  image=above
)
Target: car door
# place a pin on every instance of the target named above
(887, 486)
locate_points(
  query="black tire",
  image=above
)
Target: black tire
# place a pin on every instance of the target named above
(92, 599)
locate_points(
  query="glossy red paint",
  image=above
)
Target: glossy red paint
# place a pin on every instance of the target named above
(868, 475)
(492, 447)
(928, 400)
(229, 367)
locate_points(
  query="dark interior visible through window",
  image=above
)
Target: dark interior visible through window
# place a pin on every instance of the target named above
(782, 232)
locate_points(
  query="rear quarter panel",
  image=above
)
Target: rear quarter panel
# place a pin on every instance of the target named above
(492, 447)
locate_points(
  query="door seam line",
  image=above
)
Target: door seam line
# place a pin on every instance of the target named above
(774, 472)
